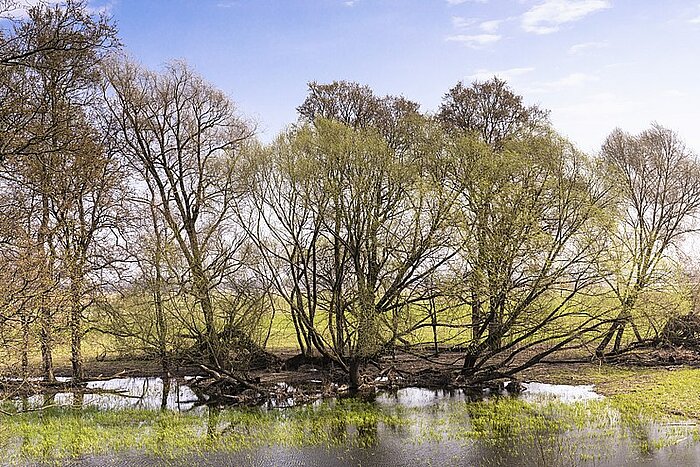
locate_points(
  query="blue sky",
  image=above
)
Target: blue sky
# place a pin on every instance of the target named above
(596, 64)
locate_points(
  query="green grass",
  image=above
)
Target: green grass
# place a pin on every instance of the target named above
(540, 432)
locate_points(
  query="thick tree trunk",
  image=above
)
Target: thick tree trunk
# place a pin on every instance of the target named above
(354, 373)
(495, 323)
(45, 317)
(76, 343)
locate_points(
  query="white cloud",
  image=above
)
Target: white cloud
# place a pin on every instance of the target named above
(578, 48)
(18, 9)
(695, 20)
(572, 80)
(475, 40)
(604, 103)
(674, 93)
(549, 15)
(484, 74)
(350, 3)
(104, 8)
(490, 26)
(459, 22)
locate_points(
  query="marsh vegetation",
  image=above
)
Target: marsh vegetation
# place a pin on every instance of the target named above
(371, 246)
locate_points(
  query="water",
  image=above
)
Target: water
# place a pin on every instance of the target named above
(546, 425)
(122, 393)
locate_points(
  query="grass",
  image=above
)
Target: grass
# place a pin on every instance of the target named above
(507, 429)
(56, 434)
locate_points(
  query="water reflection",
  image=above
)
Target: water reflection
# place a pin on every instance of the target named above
(120, 393)
(546, 425)
(561, 392)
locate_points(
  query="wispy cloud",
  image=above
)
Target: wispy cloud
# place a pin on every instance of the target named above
(460, 22)
(350, 3)
(18, 9)
(586, 46)
(674, 93)
(104, 7)
(491, 25)
(605, 103)
(695, 20)
(227, 4)
(572, 80)
(474, 40)
(548, 16)
(484, 74)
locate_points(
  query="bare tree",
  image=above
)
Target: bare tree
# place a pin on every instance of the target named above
(48, 63)
(659, 184)
(491, 111)
(181, 137)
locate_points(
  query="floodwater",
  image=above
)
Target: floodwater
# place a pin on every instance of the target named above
(546, 425)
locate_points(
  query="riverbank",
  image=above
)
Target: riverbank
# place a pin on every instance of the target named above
(660, 381)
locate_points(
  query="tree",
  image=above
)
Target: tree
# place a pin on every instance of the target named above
(528, 204)
(352, 210)
(530, 214)
(181, 138)
(64, 41)
(491, 112)
(659, 195)
(49, 65)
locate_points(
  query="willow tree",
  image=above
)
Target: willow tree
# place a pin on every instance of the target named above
(530, 213)
(353, 219)
(658, 179)
(529, 206)
(181, 138)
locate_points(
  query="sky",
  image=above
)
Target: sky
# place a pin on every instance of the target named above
(595, 64)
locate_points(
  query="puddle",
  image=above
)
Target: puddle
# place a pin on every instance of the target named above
(561, 392)
(121, 393)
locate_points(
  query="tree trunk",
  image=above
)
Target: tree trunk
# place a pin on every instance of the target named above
(25, 346)
(76, 343)
(76, 325)
(46, 343)
(45, 317)
(354, 373)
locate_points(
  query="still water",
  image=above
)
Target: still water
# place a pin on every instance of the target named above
(122, 424)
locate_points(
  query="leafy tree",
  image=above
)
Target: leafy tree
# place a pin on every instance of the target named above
(530, 215)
